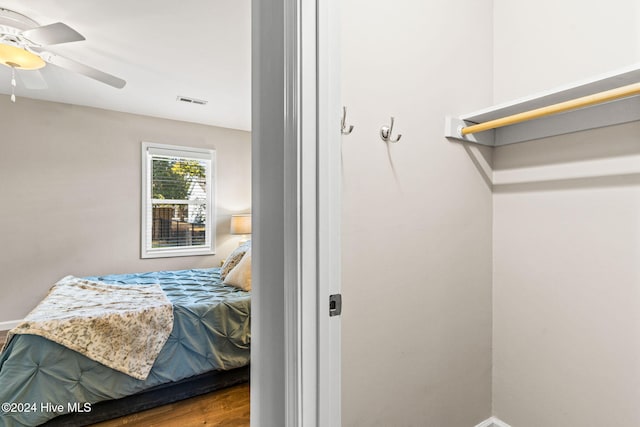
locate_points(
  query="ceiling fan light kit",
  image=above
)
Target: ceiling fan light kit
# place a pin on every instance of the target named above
(21, 48)
(21, 59)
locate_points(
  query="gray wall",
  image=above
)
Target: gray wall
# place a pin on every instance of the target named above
(417, 216)
(70, 191)
(566, 228)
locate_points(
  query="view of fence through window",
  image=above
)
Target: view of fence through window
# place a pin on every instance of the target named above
(179, 196)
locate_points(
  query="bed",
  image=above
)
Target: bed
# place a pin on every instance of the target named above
(209, 341)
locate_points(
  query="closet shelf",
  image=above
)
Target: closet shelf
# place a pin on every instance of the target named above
(605, 100)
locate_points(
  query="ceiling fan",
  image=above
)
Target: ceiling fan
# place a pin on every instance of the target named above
(23, 45)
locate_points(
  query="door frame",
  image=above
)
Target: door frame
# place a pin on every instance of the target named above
(295, 354)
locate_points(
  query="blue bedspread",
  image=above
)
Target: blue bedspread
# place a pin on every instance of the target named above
(40, 379)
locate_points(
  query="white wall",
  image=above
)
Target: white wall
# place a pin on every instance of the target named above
(70, 191)
(417, 216)
(542, 44)
(566, 246)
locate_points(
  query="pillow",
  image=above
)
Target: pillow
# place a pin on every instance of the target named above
(233, 259)
(240, 275)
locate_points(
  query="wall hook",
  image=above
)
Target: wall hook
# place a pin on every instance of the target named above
(343, 126)
(386, 131)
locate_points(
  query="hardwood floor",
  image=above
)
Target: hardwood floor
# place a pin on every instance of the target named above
(228, 407)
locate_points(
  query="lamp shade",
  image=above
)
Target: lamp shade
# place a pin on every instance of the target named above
(241, 224)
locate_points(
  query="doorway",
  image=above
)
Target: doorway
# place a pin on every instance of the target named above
(296, 206)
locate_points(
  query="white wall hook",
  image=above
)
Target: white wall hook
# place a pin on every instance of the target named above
(343, 126)
(386, 131)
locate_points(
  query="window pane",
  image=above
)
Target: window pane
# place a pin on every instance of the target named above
(178, 179)
(178, 225)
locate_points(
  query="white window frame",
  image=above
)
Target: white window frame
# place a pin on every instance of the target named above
(150, 149)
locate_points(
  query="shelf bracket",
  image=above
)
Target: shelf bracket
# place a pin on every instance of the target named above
(453, 130)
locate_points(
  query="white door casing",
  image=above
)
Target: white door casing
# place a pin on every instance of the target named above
(295, 371)
(329, 140)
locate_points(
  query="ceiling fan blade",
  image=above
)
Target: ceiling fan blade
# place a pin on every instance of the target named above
(32, 79)
(53, 34)
(75, 66)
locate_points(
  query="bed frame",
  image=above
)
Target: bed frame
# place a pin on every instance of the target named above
(154, 397)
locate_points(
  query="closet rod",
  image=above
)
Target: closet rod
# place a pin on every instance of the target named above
(573, 104)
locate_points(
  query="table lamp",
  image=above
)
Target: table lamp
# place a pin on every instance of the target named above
(241, 225)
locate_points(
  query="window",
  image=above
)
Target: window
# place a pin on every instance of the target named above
(177, 201)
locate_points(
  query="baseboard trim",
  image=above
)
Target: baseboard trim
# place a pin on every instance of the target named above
(493, 422)
(8, 325)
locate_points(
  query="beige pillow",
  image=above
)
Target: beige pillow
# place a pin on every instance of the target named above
(240, 275)
(233, 259)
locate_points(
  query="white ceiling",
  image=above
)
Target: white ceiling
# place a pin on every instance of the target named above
(194, 48)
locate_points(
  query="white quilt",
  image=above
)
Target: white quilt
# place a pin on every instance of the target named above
(121, 326)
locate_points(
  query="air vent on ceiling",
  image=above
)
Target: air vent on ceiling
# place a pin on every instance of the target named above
(191, 100)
